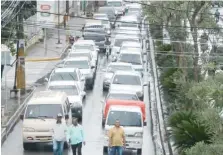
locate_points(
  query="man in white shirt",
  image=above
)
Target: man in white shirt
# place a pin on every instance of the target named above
(59, 135)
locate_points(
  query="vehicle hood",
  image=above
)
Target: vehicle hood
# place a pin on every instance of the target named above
(39, 125)
(125, 87)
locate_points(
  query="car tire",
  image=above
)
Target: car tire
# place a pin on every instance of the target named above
(27, 146)
(139, 151)
(105, 149)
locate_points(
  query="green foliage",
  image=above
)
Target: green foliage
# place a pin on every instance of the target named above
(205, 149)
(186, 130)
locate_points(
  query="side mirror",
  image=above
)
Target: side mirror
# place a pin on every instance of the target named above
(46, 79)
(83, 93)
(22, 117)
(144, 124)
(145, 84)
(82, 78)
(92, 67)
(66, 116)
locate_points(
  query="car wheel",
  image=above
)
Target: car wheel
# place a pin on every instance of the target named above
(27, 146)
(139, 151)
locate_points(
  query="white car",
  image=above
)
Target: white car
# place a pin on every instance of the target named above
(67, 74)
(129, 81)
(84, 53)
(128, 21)
(118, 5)
(104, 19)
(72, 89)
(117, 43)
(128, 31)
(131, 120)
(85, 67)
(88, 45)
(133, 57)
(111, 68)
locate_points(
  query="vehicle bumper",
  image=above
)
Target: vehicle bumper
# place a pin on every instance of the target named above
(37, 137)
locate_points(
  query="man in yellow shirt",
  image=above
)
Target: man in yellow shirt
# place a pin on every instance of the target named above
(116, 139)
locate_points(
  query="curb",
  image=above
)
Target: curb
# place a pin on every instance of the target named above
(49, 59)
(15, 118)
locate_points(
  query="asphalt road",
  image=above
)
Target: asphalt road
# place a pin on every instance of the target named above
(91, 123)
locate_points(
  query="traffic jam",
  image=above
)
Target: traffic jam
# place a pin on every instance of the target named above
(115, 32)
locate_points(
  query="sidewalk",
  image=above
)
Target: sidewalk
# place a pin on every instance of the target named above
(36, 70)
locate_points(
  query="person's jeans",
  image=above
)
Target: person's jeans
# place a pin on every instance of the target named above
(58, 147)
(77, 147)
(114, 149)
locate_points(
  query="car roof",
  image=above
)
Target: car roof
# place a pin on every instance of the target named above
(58, 70)
(125, 108)
(106, 7)
(130, 49)
(117, 101)
(129, 18)
(48, 97)
(90, 22)
(130, 52)
(119, 63)
(100, 14)
(63, 83)
(78, 58)
(127, 73)
(120, 36)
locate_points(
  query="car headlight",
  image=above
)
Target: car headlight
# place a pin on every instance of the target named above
(138, 134)
(28, 129)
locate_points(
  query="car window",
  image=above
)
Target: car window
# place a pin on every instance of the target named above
(68, 89)
(130, 58)
(127, 80)
(77, 64)
(64, 76)
(126, 118)
(115, 4)
(122, 96)
(43, 111)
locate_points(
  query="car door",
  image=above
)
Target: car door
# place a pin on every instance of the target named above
(82, 82)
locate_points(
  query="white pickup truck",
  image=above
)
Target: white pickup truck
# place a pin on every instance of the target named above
(131, 119)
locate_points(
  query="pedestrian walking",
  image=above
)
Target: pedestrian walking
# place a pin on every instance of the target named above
(116, 139)
(217, 16)
(75, 137)
(59, 136)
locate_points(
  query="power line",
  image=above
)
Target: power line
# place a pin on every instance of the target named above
(127, 22)
(170, 8)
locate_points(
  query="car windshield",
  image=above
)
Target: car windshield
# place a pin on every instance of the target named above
(130, 58)
(127, 80)
(82, 64)
(115, 4)
(73, 55)
(64, 76)
(84, 47)
(43, 111)
(122, 96)
(118, 42)
(113, 68)
(126, 118)
(69, 90)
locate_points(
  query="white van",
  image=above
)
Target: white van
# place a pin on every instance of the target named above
(118, 5)
(40, 116)
(131, 119)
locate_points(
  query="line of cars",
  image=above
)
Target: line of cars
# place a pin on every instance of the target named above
(66, 85)
(123, 79)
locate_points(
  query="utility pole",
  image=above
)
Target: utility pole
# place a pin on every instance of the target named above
(66, 20)
(20, 67)
(58, 22)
